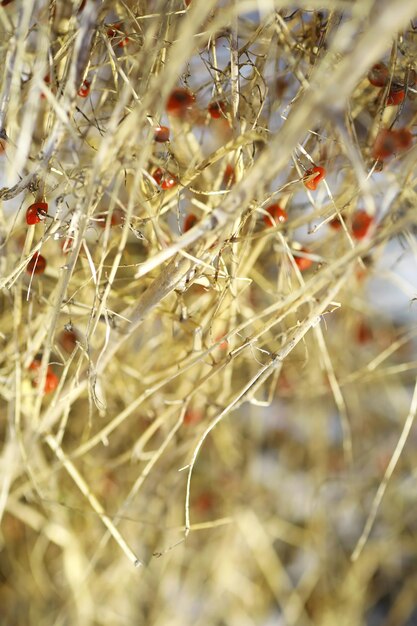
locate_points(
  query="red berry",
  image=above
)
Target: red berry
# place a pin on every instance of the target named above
(84, 90)
(335, 224)
(47, 80)
(165, 180)
(389, 141)
(395, 96)
(313, 176)
(124, 42)
(224, 344)
(51, 382)
(68, 340)
(179, 102)
(275, 216)
(35, 365)
(36, 265)
(161, 134)
(192, 416)
(363, 333)
(303, 263)
(378, 75)
(385, 144)
(205, 502)
(117, 218)
(189, 222)
(116, 31)
(36, 213)
(217, 109)
(404, 139)
(361, 223)
(229, 177)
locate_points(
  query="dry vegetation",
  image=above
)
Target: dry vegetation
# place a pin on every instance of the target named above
(205, 418)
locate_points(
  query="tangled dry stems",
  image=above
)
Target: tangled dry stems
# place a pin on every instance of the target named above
(232, 385)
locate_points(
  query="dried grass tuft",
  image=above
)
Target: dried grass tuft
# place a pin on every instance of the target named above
(207, 404)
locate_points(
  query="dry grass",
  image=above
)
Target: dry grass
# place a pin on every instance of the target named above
(227, 438)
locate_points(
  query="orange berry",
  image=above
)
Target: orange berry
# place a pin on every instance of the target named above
(361, 224)
(303, 263)
(276, 215)
(51, 380)
(313, 176)
(192, 416)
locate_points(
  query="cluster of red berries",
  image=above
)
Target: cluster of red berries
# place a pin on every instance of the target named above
(115, 32)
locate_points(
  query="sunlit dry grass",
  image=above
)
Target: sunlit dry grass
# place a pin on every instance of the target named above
(207, 418)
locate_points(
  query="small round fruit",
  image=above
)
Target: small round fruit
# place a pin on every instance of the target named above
(36, 265)
(84, 90)
(395, 96)
(161, 134)
(229, 176)
(303, 263)
(217, 109)
(115, 31)
(313, 176)
(117, 218)
(378, 75)
(361, 224)
(335, 224)
(388, 142)
(36, 213)
(190, 221)
(67, 339)
(404, 139)
(192, 416)
(179, 102)
(165, 180)
(276, 215)
(51, 382)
